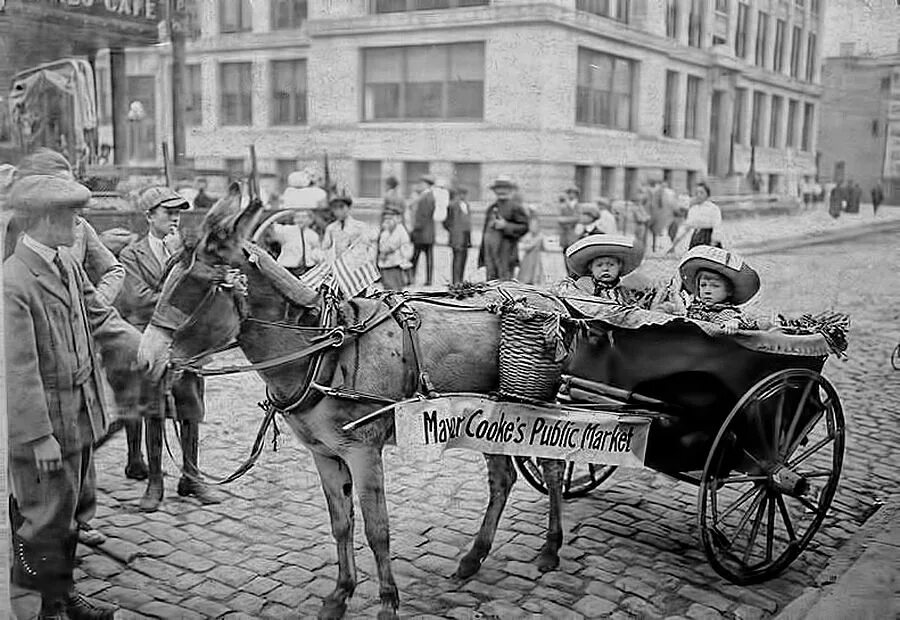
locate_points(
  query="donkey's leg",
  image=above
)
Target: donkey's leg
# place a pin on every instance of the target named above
(501, 478)
(368, 470)
(552, 470)
(338, 486)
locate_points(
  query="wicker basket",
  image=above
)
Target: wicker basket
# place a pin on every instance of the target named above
(527, 367)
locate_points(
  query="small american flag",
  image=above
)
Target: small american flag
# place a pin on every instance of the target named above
(354, 271)
(316, 276)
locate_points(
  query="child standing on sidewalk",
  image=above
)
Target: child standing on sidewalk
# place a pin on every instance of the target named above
(395, 249)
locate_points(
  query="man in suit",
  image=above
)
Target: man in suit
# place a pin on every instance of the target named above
(55, 407)
(145, 266)
(459, 229)
(423, 229)
(505, 222)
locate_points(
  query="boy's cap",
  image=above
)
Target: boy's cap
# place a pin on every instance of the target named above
(43, 193)
(338, 201)
(582, 253)
(731, 266)
(160, 196)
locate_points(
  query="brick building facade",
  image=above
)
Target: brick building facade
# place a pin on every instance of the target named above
(602, 93)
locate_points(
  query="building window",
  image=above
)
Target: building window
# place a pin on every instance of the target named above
(607, 181)
(692, 101)
(778, 60)
(740, 35)
(672, 19)
(428, 81)
(740, 104)
(848, 49)
(691, 181)
(289, 14)
(401, 6)
(623, 11)
(369, 178)
(283, 168)
(412, 172)
(885, 84)
(671, 109)
(235, 16)
(793, 106)
(775, 121)
(811, 57)
(619, 10)
(756, 128)
(762, 38)
(193, 101)
(605, 90)
(795, 51)
(667, 176)
(806, 138)
(695, 24)
(583, 181)
(104, 95)
(631, 183)
(236, 83)
(722, 6)
(288, 92)
(468, 175)
(234, 166)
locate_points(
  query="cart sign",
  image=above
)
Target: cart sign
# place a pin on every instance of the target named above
(485, 425)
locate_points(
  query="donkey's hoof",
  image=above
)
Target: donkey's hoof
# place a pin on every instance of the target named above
(332, 610)
(548, 560)
(468, 566)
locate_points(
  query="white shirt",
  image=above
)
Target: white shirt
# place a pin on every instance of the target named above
(44, 251)
(159, 249)
(441, 202)
(704, 215)
(295, 244)
(339, 236)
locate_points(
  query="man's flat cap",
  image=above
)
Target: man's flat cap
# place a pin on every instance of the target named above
(42, 193)
(159, 196)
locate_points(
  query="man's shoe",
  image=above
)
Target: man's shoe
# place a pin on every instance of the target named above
(136, 470)
(192, 488)
(152, 496)
(89, 536)
(79, 607)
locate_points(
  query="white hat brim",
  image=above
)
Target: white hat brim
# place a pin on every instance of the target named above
(580, 254)
(744, 281)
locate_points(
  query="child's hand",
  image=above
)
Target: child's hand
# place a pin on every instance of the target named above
(731, 327)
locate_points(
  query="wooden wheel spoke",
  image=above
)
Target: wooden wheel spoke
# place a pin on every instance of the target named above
(788, 438)
(810, 451)
(755, 460)
(761, 431)
(757, 501)
(786, 518)
(739, 479)
(770, 531)
(816, 473)
(754, 531)
(738, 503)
(567, 482)
(808, 504)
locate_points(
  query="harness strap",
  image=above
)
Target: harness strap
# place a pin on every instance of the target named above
(410, 321)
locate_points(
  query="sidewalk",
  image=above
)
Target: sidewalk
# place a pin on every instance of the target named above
(862, 581)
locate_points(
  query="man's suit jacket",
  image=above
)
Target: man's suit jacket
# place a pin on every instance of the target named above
(459, 225)
(44, 371)
(143, 282)
(423, 222)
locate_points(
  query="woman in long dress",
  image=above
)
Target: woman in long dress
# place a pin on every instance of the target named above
(531, 268)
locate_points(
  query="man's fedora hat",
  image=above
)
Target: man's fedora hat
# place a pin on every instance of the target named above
(503, 181)
(744, 279)
(43, 193)
(340, 200)
(160, 196)
(580, 254)
(427, 178)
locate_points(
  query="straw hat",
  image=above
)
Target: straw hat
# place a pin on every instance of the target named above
(503, 181)
(580, 254)
(743, 278)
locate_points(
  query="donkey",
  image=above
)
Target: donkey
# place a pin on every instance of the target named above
(459, 349)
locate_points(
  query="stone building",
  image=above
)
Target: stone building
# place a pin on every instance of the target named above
(861, 28)
(599, 93)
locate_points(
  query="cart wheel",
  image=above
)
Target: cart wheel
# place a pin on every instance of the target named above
(578, 479)
(895, 358)
(771, 475)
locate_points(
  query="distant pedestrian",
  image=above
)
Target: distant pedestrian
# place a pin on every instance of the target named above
(877, 197)
(531, 246)
(346, 231)
(202, 200)
(301, 249)
(567, 220)
(392, 198)
(459, 231)
(394, 249)
(837, 201)
(505, 222)
(704, 220)
(423, 229)
(854, 196)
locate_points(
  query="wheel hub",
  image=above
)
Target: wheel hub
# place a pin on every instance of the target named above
(788, 482)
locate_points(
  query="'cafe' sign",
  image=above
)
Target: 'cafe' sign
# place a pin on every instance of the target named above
(135, 9)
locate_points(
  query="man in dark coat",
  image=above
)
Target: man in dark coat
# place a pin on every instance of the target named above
(877, 197)
(459, 229)
(202, 200)
(854, 197)
(145, 264)
(505, 222)
(55, 406)
(423, 230)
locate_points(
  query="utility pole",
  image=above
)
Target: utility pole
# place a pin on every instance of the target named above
(175, 19)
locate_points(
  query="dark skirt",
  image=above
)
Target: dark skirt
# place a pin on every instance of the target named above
(393, 279)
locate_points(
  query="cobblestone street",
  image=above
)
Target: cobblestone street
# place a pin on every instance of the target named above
(631, 548)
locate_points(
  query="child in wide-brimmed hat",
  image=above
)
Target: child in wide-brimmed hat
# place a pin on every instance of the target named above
(598, 263)
(719, 282)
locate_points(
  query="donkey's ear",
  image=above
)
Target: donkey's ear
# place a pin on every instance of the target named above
(246, 221)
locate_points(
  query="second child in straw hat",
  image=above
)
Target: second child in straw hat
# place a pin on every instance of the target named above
(719, 281)
(598, 263)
